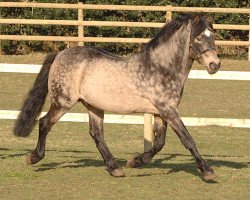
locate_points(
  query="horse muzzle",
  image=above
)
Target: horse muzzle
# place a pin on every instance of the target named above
(213, 67)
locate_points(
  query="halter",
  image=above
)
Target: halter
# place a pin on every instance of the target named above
(199, 54)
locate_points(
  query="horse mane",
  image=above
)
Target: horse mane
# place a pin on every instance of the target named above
(169, 29)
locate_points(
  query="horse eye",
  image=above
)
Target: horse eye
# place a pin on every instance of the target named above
(198, 39)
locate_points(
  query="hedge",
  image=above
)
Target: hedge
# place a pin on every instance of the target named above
(23, 47)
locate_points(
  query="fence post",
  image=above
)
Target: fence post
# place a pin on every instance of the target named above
(169, 13)
(148, 132)
(80, 27)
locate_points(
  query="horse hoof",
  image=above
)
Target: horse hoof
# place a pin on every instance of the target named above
(117, 173)
(131, 163)
(29, 160)
(207, 176)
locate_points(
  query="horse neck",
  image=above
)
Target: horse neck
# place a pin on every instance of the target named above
(172, 56)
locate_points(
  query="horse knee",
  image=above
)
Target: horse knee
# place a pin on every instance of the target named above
(96, 136)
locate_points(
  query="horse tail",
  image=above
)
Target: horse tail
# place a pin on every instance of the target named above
(33, 104)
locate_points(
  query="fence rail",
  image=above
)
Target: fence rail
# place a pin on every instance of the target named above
(81, 23)
(109, 23)
(139, 119)
(102, 39)
(194, 74)
(124, 7)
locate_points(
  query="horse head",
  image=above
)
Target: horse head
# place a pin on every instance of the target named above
(202, 44)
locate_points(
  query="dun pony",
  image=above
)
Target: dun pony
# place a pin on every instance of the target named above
(150, 81)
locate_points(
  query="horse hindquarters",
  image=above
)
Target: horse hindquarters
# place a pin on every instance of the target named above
(62, 99)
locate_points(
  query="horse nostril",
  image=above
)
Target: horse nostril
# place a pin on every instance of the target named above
(214, 66)
(218, 65)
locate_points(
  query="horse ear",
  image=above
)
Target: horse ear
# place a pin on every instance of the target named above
(197, 18)
(210, 19)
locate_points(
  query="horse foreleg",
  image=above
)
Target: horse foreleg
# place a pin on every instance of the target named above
(96, 132)
(173, 119)
(45, 124)
(159, 129)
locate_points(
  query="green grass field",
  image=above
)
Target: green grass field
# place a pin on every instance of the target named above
(74, 169)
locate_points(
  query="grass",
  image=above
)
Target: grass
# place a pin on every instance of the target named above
(74, 169)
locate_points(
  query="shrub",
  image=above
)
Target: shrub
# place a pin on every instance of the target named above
(22, 47)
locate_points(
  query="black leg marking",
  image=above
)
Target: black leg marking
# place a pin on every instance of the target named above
(45, 125)
(96, 132)
(160, 128)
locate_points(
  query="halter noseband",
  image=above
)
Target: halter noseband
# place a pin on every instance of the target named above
(199, 54)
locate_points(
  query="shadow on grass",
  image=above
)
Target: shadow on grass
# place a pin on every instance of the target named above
(167, 161)
(212, 162)
(87, 162)
(188, 167)
(7, 155)
(4, 149)
(75, 164)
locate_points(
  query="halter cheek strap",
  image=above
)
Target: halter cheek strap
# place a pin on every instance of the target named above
(199, 54)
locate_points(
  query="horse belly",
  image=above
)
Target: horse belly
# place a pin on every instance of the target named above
(121, 104)
(114, 92)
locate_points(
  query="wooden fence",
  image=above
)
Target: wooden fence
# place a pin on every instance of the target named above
(80, 22)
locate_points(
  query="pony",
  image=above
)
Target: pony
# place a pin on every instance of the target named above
(150, 81)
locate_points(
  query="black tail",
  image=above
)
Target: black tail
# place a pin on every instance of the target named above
(33, 104)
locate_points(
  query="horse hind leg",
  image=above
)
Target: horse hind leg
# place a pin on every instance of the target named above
(159, 129)
(96, 131)
(45, 124)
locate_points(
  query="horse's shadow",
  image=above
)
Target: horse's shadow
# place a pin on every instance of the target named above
(171, 167)
(80, 163)
(167, 161)
(190, 167)
(213, 162)
(4, 156)
(26, 151)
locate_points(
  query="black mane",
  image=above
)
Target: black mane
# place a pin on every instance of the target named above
(170, 28)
